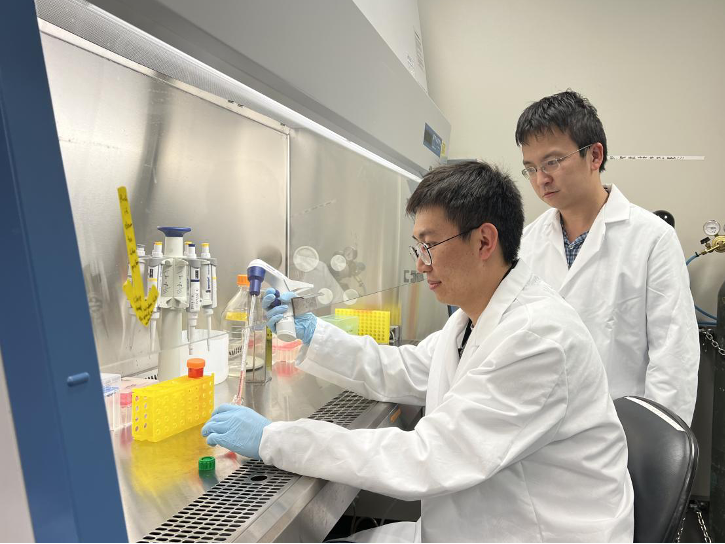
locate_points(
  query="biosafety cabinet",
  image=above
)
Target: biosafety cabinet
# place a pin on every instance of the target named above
(282, 130)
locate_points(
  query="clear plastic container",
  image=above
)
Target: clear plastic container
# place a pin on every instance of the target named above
(348, 323)
(234, 321)
(285, 352)
(284, 355)
(111, 395)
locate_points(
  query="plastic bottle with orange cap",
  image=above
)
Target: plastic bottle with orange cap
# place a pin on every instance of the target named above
(235, 319)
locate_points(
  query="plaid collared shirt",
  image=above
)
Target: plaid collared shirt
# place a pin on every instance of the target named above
(571, 249)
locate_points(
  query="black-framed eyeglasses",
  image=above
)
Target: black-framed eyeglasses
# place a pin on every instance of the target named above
(421, 250)
(549, 166)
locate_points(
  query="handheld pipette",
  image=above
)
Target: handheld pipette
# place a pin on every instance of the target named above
(260, 271)
(257, 272)
(207, 299)
(194, 294)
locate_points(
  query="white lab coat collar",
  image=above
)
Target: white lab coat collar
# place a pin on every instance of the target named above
(446, 360)
(501, 300)
(616, 208)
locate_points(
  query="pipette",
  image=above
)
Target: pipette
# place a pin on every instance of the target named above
(194, 294)
(207, 302)
(257, 272)
(154, 270)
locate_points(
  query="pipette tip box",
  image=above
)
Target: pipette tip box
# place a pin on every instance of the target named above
(375, 323)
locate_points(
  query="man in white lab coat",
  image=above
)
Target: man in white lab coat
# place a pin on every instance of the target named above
(520, 441)
(621, 267)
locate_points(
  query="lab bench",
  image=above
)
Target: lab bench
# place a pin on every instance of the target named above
(166, 497)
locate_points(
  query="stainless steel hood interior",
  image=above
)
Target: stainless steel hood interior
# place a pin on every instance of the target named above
(321, 58)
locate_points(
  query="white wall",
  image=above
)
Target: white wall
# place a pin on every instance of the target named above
(655, 70)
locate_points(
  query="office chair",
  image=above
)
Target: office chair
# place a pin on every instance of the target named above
(663, 456)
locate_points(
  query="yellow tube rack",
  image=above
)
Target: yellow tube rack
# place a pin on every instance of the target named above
(166, 408)
(375, 323)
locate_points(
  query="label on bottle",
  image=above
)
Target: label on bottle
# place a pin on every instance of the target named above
(268, 352)
(236, 316)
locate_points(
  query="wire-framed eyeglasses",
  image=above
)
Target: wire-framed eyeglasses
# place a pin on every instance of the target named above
(421, 250)
(549, 166)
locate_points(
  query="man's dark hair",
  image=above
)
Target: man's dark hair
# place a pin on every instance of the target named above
(472, 193)
(571, 113)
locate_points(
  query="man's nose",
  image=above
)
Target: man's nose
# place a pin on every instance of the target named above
(542, 178)
(421, 267)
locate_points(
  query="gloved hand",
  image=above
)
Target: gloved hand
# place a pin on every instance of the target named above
(275, 305)
(236, 428)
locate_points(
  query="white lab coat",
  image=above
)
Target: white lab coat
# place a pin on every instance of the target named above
(520, 441)
(630, 286)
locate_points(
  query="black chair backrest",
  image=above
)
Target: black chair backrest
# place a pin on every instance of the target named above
(663, 456)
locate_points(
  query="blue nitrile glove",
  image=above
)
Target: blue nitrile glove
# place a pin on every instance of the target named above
(275, 305)
(235, 428)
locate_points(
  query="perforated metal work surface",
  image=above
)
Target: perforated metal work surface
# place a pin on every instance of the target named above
(343, 409)
(226, 507)
(235, 502)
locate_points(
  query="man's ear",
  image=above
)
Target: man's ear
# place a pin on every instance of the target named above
(487, 239)
(597, 156)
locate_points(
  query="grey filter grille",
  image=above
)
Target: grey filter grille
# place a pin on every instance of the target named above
(228, 507)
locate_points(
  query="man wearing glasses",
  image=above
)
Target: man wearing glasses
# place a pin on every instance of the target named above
(620, 267)
(520, 441)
